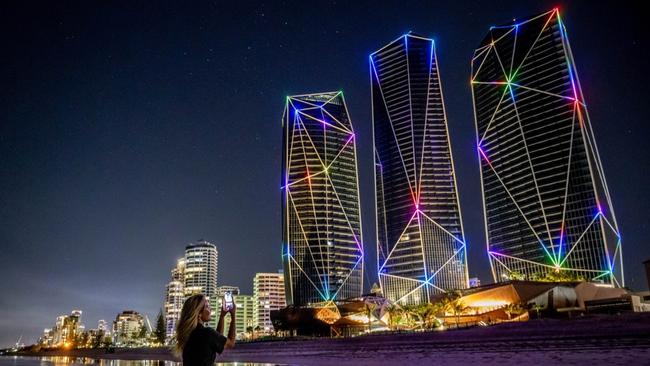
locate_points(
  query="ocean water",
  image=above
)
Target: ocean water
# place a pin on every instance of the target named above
(85, 361)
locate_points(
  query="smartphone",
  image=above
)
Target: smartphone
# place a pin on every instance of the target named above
(227, 301)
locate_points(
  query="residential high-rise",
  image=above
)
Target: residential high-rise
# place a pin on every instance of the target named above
(65, 331)
(201, 259)
(420, 244)
(268, 294)
(548, 210)
(173, 306)
(178, 272)
(200, 271)
(102, 325)
(174, 299)
(321, 235)
(128, 328)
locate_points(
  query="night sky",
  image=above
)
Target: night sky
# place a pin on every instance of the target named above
(130, 129)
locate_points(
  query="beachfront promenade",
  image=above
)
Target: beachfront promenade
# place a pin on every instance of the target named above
(593, 340)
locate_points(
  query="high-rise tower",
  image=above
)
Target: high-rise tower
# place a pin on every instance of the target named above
(322, 247)
(200, 271)
(548, 210)
(174, 298)
(420, 243)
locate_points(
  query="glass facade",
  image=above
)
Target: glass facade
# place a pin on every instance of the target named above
(322, 247)
(547, 206)
(420, 242)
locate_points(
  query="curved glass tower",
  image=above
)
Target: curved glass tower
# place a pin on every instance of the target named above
(322, 250)
(420, 242)
(547, 207)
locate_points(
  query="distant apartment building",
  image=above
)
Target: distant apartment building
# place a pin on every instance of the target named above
(102, 325)
(268, 294)
(178, 272)
(173, 306)
(201, 260)
(200, 274)
(129, 329)
(195, 273)
(65, 331)
(174, 298)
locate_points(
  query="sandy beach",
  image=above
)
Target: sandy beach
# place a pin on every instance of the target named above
(593, 340)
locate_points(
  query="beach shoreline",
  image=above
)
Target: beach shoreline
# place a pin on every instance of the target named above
(616, 339)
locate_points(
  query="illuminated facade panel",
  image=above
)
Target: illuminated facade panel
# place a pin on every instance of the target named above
(322, 247)
(548, 210)
(420, 243)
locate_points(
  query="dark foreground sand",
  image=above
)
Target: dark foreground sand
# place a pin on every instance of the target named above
(594, 340)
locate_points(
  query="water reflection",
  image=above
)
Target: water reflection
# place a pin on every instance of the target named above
(70, 361)
(86, 361)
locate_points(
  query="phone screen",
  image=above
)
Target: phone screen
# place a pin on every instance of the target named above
(227, 300)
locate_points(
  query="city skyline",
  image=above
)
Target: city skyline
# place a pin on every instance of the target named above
(121, 144)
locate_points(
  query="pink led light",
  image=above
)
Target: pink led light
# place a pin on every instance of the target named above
(308, 178)
(484, 156)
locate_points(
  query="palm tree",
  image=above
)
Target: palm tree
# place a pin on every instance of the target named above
(447, 302)
(370, 308)
(395, 316)
(429, 312)
(424, 311)
(516, 276)
(411, 316)
(458, 308)
(514, 308)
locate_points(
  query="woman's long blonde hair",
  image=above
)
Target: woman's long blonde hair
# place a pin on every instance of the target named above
(188, 320)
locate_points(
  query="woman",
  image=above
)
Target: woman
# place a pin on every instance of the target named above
(197, 343)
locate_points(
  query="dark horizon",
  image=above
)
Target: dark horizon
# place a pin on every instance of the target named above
(131, 130)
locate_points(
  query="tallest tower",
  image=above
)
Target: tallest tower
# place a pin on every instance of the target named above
(547, 206)
(420, 243)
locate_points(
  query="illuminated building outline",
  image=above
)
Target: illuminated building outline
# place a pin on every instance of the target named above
(420, 243)
(322, 246)
(529, 109)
